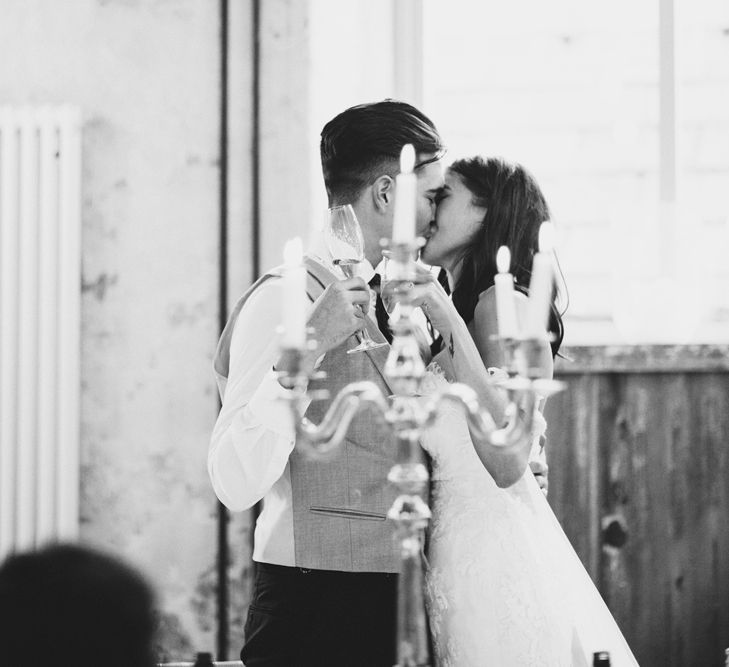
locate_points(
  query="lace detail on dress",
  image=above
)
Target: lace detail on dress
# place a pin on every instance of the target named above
(436, 373)
(489, 601)
(435, 378)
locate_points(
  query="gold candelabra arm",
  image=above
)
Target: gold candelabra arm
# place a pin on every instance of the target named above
(519, 413)
(519, 424)
(480, 421)
(323, 438)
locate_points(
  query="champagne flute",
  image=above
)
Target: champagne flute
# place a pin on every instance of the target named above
(395, 288)
(344, 240)
(389, 286)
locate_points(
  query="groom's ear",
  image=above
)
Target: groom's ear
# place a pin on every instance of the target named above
(382, 190)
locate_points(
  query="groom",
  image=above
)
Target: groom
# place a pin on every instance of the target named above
(325, 586)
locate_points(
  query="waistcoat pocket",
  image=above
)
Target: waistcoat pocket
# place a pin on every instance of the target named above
(347, 513)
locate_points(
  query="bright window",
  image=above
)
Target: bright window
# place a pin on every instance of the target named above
(572, 90)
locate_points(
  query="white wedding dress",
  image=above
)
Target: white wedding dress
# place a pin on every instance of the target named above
(504, 587)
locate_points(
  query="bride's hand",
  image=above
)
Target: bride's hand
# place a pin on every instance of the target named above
(430, 296)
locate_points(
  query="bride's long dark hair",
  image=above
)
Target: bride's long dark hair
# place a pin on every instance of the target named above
(515, 209)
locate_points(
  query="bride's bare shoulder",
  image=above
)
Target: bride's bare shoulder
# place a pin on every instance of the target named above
(485, 327)
(484, 315)
(487, 298)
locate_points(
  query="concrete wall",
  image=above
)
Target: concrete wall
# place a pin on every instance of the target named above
(146, 76)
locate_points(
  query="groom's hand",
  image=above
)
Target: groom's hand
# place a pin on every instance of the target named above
(541, 473)
(339, 312)
(430, 296)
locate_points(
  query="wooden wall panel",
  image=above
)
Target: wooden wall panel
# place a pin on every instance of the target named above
(639, 480)
(571, 439)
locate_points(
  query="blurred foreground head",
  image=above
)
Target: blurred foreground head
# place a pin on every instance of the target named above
(70, 605)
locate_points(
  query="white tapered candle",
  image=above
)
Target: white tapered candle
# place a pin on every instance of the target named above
(505, 304)
(540, 286)
(403, 223)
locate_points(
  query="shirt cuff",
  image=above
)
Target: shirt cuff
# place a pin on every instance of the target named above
(270, 405)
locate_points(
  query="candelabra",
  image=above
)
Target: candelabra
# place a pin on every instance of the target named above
(408, 415)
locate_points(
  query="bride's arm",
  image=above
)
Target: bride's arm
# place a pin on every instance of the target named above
(493, 355)
(485, 330)
(463, 356)
(469, 357)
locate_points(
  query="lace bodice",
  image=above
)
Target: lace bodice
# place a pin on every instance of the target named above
(449, 442)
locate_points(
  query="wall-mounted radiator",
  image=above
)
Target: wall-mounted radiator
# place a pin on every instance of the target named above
(40, 267)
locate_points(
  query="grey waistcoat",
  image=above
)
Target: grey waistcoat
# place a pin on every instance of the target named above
(339, 504)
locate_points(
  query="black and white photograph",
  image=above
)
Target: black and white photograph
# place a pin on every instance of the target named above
(364, 333)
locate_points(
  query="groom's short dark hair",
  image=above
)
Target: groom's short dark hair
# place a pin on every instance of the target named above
(364, 142)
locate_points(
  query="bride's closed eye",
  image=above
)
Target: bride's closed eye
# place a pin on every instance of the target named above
(441, 194)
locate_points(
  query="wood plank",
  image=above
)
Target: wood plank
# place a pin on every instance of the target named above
(615, 521)
(642, 506)
(673, 461)
(643, 359)
(660, 463)
(708, 527)
(571, 442)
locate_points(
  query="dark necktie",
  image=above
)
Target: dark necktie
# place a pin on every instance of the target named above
(380, 312)
(437, 343)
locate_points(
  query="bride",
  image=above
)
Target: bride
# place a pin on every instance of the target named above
(504, 586)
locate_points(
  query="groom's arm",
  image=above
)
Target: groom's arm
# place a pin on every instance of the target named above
(538, 464)
(253, 435)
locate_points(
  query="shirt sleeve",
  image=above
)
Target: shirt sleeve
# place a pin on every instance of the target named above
(254, 433)
(538, 453)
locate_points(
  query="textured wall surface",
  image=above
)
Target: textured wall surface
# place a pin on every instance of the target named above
(145, 75)
(283, 126)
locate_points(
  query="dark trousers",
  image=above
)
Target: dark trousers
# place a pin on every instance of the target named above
(302, 618)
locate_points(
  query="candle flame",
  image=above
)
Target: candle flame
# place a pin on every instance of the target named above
(407, 159)
(546, 237)
(503, 259)
(293, 252)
